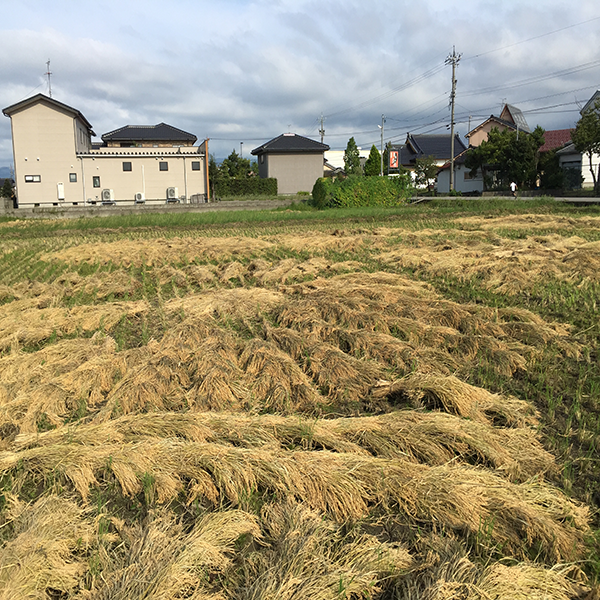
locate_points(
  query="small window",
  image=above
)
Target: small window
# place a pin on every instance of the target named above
(195, 165)
(33, 178)
(163, 166)
(262, 159)
(73, 177)
(126, 166)
(96, 180)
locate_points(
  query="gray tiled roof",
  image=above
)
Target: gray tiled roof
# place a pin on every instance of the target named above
(290, 142)
(149, 133)
(438, 146)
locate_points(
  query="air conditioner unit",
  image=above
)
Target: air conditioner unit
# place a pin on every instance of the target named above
(108, 196)
(172, 193)
(140, 198)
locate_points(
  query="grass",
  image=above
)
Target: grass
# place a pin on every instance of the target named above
(368, 403)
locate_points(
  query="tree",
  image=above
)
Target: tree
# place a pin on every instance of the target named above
(425, 171)
(7, 190)
(352, 159)
(507, 156)
(373, 163)
(235, 166)
(586, 138)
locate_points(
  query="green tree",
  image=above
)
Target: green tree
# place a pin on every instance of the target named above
(386, 159)
(507, 156)
(425, 171)
(586, 138)
(373, 163)
(8, 190)
(235, 166)
(352, 159)
(552, 177)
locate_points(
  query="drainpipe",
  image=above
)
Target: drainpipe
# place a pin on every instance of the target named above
(83, 179)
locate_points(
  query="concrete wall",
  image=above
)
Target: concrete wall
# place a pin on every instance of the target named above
(294, 172)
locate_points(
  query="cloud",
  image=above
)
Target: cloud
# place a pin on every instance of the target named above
(241, 70)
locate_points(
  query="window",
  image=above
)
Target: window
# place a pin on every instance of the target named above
(73, 177)
(163, 166)
(262, 159)
(195, 165)
(96, 180)
(126, 166)
(33, 178)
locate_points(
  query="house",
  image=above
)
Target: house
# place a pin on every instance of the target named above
(576, 166)
(422, 146)
(336, 158)
(510, 118)
(464, 182)
(56, 163)
(294, 160)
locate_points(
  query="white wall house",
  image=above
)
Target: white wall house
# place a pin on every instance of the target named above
(57, 165)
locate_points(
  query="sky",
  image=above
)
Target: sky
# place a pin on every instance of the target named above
(242, 72)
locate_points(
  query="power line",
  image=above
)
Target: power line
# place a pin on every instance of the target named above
(537, 37)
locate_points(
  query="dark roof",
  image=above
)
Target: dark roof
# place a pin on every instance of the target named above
(438, 146)
(458, 160)
(41, 98)
(556, 138)
(149, 133)
(292, 143)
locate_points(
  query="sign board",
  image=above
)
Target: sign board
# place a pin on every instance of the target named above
(393, 159)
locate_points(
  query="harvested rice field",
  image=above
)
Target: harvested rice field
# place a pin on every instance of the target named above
(380, 406)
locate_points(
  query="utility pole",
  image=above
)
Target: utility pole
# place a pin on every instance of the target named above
(452, 60)
(48, 73)
(382, 124)
(322, 129)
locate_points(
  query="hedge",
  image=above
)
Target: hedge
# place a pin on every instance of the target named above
(360, 191)
(251, 186)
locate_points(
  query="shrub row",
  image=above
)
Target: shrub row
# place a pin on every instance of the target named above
(250, 186)
(360, 191)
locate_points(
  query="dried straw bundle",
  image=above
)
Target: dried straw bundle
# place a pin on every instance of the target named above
(346, 486)
(443, 570)
(434, 438)
(158, 251)
(47, 553)
(456, 397)
(35, 325)
(275, 380)
(164, 562)
(310, 558)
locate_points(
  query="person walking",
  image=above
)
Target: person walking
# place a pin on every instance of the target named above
(513, 189)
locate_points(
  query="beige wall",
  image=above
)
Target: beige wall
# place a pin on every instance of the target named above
(52, 144)
(294, 172)
(44, 142)
(145, 176)
(481, 135)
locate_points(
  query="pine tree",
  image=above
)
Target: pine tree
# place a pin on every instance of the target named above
(373, 164)
(352, 159)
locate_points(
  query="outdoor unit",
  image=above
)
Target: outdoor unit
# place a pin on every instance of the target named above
(172, 194)
(140, 198)
(108, 196)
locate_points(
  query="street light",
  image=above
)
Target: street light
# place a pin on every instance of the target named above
(381, 127)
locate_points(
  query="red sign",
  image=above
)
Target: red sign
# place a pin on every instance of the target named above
(393, 159)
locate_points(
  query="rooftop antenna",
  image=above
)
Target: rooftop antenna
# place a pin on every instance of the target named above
(48, 73)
